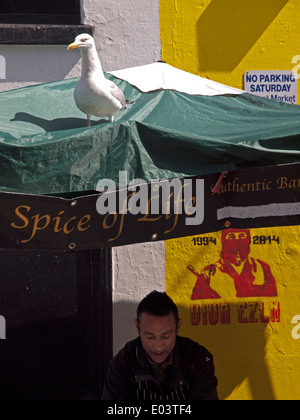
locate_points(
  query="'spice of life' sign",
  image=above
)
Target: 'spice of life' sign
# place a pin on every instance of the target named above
(279, 85)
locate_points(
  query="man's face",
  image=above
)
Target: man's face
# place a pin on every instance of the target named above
(158, 335)
(236, 246)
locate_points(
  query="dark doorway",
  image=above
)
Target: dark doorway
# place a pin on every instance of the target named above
(65, 12)
(58, 312)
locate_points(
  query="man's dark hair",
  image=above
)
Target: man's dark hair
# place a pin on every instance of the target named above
(158, 304)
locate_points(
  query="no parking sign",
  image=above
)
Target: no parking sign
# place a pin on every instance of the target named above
(279, 85)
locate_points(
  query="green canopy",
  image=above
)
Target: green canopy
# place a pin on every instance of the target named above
(46, 147)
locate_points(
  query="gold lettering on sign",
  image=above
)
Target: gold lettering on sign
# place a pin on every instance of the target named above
(39, 222)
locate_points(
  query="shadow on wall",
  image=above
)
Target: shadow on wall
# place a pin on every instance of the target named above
(124, 314)
(227, 30)
(38, 64)
(238, 350)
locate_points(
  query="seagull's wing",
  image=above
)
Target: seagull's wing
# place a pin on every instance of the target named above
(117, 93)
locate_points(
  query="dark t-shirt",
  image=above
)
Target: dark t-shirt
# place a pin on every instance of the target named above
(188, 374)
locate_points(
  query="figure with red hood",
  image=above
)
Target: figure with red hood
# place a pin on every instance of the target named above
(236, 273)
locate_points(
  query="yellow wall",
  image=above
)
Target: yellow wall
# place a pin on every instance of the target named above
(222, 39)
(256, 356)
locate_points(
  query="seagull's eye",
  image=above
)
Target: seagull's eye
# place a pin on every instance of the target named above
(84, 39)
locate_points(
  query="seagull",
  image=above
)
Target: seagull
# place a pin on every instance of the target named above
(94, 94)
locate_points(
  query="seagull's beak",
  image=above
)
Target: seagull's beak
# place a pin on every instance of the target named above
(73, 45)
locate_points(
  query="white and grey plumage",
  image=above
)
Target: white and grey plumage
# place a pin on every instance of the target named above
(94, 94)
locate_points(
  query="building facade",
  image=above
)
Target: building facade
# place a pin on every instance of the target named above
(254, 338)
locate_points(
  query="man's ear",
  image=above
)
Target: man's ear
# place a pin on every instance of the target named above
(179, 325)
(137, 326)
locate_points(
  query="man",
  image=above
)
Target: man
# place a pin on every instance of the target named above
(159, 364)
(236, 272)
